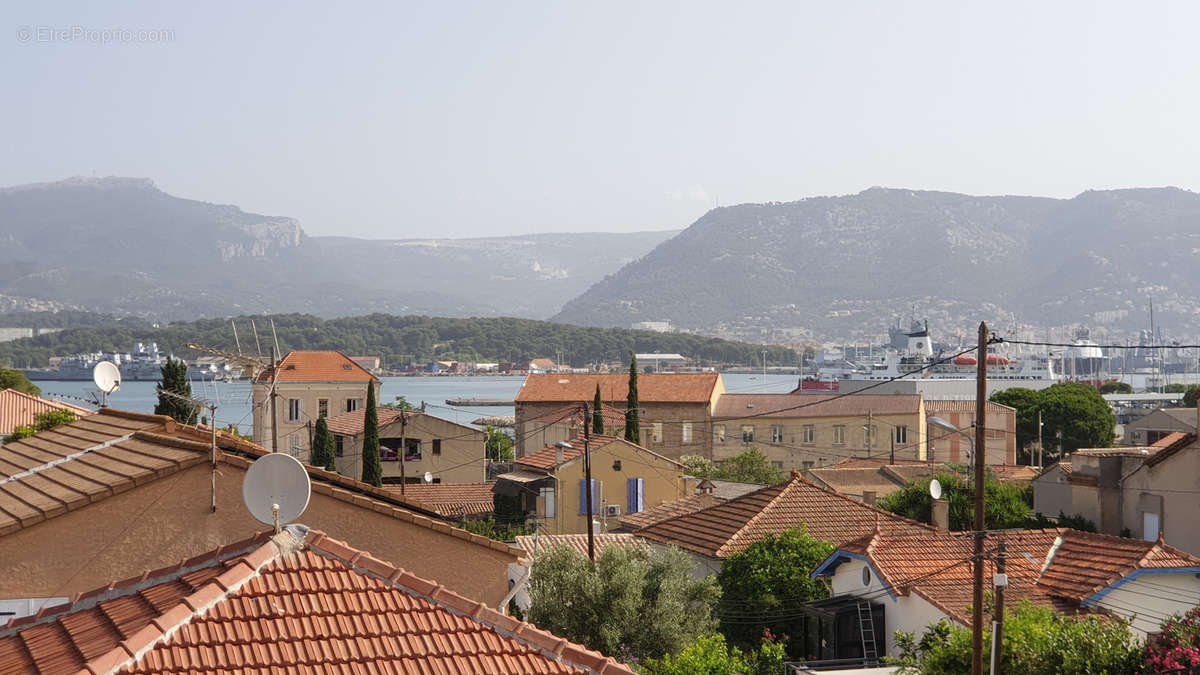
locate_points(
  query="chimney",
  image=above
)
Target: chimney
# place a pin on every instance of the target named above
(558, 454)
(941, 514)
(705, 487)
(869, 497)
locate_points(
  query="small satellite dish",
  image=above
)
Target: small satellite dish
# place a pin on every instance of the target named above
(276, 489)
(935, 489)
(107, 376)
(428, 477)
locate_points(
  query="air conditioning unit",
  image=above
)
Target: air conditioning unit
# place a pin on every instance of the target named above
(612, 510)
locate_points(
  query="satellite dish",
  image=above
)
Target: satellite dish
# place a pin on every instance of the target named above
(276, 489)
(107, 376)
(428, 477)
(935, 489)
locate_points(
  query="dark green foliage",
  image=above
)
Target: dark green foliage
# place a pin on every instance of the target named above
(1116, 388)
(762, 586)
(1037, 641)
(15, 379)
(397, 339)
(401, 403)
(1026, 403)
(1006, 505)
(21, 431)
(1190, 396)
(597, 413)
(711, 656)
(1076, 410)
(509, 510)
(174, 380)
(633, 422)
(323, 449)
(750, 466)
(1175, 388)
(372, 472)
(633, 604)
(42, 422)
(493, 529)
(1075, 522)
(498, 445)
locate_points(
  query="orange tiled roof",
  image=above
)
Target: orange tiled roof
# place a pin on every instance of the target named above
(547, 457)
(857, 481)
(19, 409)
(722, 530)
(935, 406)
(319, 366)
(450, 499)
(579, 542)
(666, 510)
(737, 406)
(307, 603)
(652, 388)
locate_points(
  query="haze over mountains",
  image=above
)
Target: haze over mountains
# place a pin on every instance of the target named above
(122, 246)
(845, 265)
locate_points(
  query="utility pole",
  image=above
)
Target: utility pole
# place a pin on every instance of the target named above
(587, 474)
(1001, 582)
(1041, 452)
(893, 446)
(868, 432)
(212, 419)
(274, 419)
(403, 449)
(980, 439)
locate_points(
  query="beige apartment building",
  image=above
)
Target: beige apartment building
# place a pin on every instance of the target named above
(677, 407)
(813, 430)
(1000, 432)
(449, 452)
(308, 384)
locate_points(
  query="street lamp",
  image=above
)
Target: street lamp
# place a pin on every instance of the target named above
(943, 424)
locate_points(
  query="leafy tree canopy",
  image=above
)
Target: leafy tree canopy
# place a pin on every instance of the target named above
(498, 445)
(1177, 647)
(15, 379)
(762, 586)
(175, 381)
(1116, 388)
(401, 403)
(324, 448)
(635, 603)
(710, 655)
(1006, 505)
(750, 466)
(1077, 411)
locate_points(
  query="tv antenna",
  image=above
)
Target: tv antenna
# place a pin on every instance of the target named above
(107, 377)
(935, 489)
(276, 489)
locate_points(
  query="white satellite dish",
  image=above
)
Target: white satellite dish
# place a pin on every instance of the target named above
(276, 489)
(428, 477)
(107, 377)
(935, 489)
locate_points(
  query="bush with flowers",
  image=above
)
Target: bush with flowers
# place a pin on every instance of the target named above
(1176, 649)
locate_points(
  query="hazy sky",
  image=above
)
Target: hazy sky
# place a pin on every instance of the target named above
(407, 119)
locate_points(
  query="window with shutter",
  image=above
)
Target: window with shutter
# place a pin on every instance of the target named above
(635, 498)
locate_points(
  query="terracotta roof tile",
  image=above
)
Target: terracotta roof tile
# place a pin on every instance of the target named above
(652, 388)
(318, 366)
(450, 499)
(660, 512)
(722, 530)
(306, 608)
(20, 409)
(547, 457)
(738, 406)
(934, 407)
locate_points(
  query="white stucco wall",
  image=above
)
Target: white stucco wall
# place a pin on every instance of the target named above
(1150, 598)
(911, 613)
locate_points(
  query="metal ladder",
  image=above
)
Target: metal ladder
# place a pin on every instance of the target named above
(866, 629)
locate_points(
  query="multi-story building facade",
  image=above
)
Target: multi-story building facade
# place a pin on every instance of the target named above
(448, 452)
(307, 385)
(1000, 432)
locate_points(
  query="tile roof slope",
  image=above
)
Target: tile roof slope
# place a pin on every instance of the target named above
(652, 388)
(19, 409)
(874, 462)
(309, 604)
(1086, 562)
(318, 366)
(547, 457)
(579, 542)
(450, 499)
(735, 406)
(722, 530)
(1171, 445)
(855, 481)
(1185, 415)
(934, 406)
(660, 512)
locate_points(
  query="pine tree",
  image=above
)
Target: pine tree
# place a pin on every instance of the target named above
(174, 380)
(597, 414)
(372, 472)
(322, 450)
(633, 423)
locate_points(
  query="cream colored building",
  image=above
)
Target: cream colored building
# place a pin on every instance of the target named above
(449, 452)
(1000, 432)
(307, 385)
(807, 431)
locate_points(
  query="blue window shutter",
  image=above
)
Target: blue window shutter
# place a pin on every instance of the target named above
(582, 496)
(641, 494)
(631, 495)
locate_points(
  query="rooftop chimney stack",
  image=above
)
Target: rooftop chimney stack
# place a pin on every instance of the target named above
(869, 497)
(558, 454)
(941, 514)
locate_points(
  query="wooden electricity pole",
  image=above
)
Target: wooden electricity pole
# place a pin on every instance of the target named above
(587, 471)
(980, 451)
(998, 630)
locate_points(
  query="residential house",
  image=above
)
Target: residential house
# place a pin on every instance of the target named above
(813, 430)
(18, 409)
(1000, 432)
(626, 478)
(541, 366)
(449, 452)
(115, 493)
(1151, 427)
(712, 534)
(298, 601)
(372, 364)
(678, 406)
(909, 581)
(1099, 484)
(568, 422)
(307, 385)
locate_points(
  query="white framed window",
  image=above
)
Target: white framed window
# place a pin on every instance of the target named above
(322, 407)
(776, 433)
(747, 433)
(719, 433)
(656, 433)
(685, 432)
(547, 495)
(901, 434)
(839, 434)
(353, 404)
(808, 434)
(294, 410)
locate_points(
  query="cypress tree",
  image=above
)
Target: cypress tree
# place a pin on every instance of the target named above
(597, 415)
(372, 472)
(633, 423)
(322, 449)
(174, 380)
